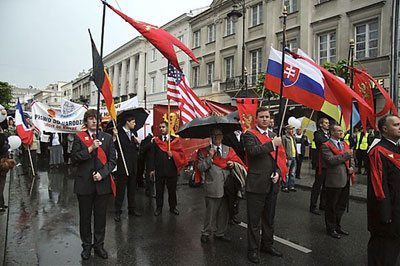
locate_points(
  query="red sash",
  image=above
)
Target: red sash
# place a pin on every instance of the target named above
(221, 162)
(336, 151)
(101, 155)
(281, 163)
(177, 151)
(376, 168)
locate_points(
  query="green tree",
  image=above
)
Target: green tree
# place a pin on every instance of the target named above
(262, 91)
(339, 69)
(5, 94)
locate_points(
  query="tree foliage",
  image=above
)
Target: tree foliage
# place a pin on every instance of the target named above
(262, 92)
(5, 94)
(339, 69)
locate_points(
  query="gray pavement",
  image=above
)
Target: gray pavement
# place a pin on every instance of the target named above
(43, 230)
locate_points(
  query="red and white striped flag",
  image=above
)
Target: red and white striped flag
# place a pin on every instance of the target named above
(179, 90)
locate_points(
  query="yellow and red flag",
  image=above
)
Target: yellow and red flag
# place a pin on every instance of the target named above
(102, 80)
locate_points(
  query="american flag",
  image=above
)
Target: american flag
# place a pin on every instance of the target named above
(179, 90)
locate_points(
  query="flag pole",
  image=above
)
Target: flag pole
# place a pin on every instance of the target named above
(169, 126)
(351, 63)
(281, 107)
(120, 148)
(33, 170)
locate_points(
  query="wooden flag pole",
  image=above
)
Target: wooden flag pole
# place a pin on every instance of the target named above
(33, 171)
(120, 148)
(169, 126)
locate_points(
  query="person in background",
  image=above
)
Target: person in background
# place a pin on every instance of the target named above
(289, 143)
(361, 151)
(301, 143)
(320, 136)
(5, 165)
(26, 163)
(383, 201)
(95, 157)
(56, 151)
(144, 153)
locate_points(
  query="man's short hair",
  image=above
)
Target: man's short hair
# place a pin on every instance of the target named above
(332, 127)
(129, 118)
(164, 122)
(262, 109)
(322, 120)
(383, 121)
(88, 114)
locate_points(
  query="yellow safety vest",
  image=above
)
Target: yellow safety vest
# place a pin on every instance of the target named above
(346, 138)
(313, 146)
(363, 145)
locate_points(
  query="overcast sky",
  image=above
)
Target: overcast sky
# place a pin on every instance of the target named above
(45, 41)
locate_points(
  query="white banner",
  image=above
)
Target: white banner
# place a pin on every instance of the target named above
(52, 120)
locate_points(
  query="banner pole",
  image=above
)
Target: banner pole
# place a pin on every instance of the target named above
(120, 148)
(169, 126)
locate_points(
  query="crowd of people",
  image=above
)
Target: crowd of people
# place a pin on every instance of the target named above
(114, 161)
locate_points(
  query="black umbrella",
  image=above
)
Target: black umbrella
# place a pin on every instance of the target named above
(140, 115)
(199, 128)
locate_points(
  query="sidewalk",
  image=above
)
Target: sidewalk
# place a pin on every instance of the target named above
(4, 219)
(357, 192)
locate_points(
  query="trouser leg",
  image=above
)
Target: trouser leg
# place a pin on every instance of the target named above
(268, 217)
(341, 204)
(171, 186)
(316, 190)
(100, 214)
(299, 162)
(255, 207)
(222, 217)
(332, 198)
(132, 183)
(160, 185)
(86, 203)
(121, 187)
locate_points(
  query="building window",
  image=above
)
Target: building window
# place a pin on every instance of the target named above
(153, 54)
(229, 68)
(327, 47)
(256, 14)
(229, 26)
(210, 72)
(196, 76)
(152, 84)
(196, 39)
(256, 64)
(292, 45)
(211, 33)
(165, 80)
(291, 5)
(367, 39)
(180, 37)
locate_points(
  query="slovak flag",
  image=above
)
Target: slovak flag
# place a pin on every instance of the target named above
(23, 131)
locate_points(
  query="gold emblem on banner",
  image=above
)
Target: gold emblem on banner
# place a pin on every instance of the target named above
(174, 121)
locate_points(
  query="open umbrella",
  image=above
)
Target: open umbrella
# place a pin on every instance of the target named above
(199, 128)
(140, 115)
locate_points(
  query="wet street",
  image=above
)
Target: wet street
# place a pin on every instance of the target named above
(43, 229)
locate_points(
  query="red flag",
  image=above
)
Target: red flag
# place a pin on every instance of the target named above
(363, 87)
(179, 90)
(247, 108)
(161, 39)
(389, 105)
(343, 94)
(102, 80)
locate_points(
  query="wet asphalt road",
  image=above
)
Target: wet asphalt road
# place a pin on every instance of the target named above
(43, 229)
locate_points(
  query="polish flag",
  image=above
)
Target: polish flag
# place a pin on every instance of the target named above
(23, 131)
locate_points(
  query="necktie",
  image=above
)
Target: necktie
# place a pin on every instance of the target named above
(94, 136)
(165, 138)
(339, 145)
(219, 151)
(129, 135)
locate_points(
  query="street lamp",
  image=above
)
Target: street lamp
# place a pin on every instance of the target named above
(234, 15)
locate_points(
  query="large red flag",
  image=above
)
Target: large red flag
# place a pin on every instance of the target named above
(161, 39)
(247, 109)
(363, 87)
(389, 105)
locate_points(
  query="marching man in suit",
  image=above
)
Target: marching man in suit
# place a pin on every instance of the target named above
(216, 161)
(165, 166)
(383, 196)
(336, 159)
(96, 158)
(262, 185)
(129, 145)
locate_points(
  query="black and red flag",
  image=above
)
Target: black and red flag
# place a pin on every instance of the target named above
(161, 39)
(102, 80)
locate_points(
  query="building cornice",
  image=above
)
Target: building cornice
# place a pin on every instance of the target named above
(372, 6)
(337, 17)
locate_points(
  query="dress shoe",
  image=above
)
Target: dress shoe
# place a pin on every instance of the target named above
(134, 213)
(342, 232)
(101, 252)
(253, 257)
(117, 217)
(86, 252)
(204, 239)
(157, 212)
(286, 190)
(223, 238)
(174, 211)
(334, 234)
(315, 211)
(292, 189)
(272, 251)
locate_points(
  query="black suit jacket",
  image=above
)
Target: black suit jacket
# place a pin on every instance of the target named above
(260, 164)
(388, 208)
(130, 151)
(160, 163)
(84, 184)
(145, 149)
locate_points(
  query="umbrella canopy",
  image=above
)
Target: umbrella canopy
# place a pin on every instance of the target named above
(199, 128)
(140, 115)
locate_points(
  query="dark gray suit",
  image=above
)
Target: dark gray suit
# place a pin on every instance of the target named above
(261, 192)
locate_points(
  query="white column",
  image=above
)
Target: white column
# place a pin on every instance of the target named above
(141, 73)
(123, 90)
(116, 92)
(131, 74)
